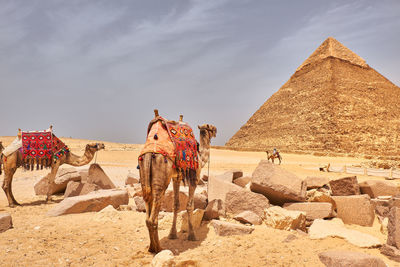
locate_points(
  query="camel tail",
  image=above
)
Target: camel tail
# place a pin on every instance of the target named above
(145, 175)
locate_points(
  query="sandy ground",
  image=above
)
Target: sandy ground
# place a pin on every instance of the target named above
(90, 239)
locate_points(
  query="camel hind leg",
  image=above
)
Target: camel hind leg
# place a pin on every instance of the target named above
(50, 179)
(190, 208)
(173, 233)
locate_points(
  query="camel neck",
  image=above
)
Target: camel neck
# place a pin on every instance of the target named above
(204, 148)
(75, 160)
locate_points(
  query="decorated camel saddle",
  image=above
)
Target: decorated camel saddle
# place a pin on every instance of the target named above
(37, 148)
(175, 141)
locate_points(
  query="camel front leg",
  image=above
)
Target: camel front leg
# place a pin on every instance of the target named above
(176, 184)
(8, 176)
(190, 208)
(50, 179)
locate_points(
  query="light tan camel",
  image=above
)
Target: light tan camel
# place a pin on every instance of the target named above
(14, 161)
(155, 175)
(274, 156)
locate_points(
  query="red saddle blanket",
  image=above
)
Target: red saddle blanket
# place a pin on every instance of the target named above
(42, 145)
(176, 141)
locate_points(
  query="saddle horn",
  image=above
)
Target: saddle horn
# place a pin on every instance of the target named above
(180, 117)
(156, 113)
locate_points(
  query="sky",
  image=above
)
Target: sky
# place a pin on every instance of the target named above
(97, 69)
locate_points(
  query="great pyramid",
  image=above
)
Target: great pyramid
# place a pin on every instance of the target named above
(333, 103)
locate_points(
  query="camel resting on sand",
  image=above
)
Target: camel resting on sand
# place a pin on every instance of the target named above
(156, 172)
(13, 161)
(274, 156)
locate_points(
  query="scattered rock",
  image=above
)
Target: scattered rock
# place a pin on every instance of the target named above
(320, 195)
(164, 258)
(240, 200)
(140, 204)
(230, 176)
(280, 218)
(375, 188)
(204, 178)
(63, 177)
(217, 188)
(392, 252)
(346, 186)
(381, 206)
(335, 228)
(355, 209)
(225, 228)
(316, 182)
(94, 201)
(196, 222)
(277, 184)
(349, 259)
(289, 238)
(313, 210)
(5, 222)
(200, 201)
(98, 177)
(248, 217)
(214, 209)
(242, 181)
(131, 179)
(78, 189)
(394, 228)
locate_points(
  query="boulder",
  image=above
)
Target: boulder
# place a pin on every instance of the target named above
(381, 206)
(316, 182)
(84, 175)
(217, 188)
(78, 189)
(135, 190)
(392, 252)
(140, 203)
(393, 228)
(230, 176)
(63, 177)
(375, 188)
(214, 209)
(131, 179)
(240, 200)
(200, 200)
(164, 258)
(346, 186)
(225, 228)
(355, 209)
(98, 177)
(277, 184)
(248, 217)
(335, 228)
(94, 201)
(349, 259)
(196, 222)
(5, 222)
(280, 218)
(242, 181)
(320, 195)
(313, 210)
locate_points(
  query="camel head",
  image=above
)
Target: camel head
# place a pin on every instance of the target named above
(95, 146)
(1, 146)
(209, 129)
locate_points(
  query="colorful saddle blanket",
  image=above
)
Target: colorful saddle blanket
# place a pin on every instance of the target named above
(42, 145)
(176, 141)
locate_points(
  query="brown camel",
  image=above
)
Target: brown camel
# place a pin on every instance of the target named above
(274, 156)
(13, 161)
(156, 172)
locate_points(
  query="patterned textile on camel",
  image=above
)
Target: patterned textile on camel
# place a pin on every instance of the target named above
(176, 141)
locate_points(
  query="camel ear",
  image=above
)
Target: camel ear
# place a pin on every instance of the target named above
(199, 127)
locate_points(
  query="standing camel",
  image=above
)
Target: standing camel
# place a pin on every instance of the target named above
(13, 161)
(274, 156)
(156, 172)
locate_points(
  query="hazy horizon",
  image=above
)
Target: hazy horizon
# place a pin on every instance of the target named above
(97, 69)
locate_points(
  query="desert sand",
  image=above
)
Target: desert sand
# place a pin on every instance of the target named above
(94, 239)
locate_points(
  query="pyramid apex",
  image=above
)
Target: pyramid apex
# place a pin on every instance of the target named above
(333, 48)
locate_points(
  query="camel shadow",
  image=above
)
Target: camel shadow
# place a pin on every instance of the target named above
(40, 202)
(182, 243)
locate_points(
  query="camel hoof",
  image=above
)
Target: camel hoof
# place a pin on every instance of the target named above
(192, 238)
(172, 236)
(153, 250)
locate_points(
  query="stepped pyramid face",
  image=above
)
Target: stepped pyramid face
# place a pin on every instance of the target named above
(334, 102)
